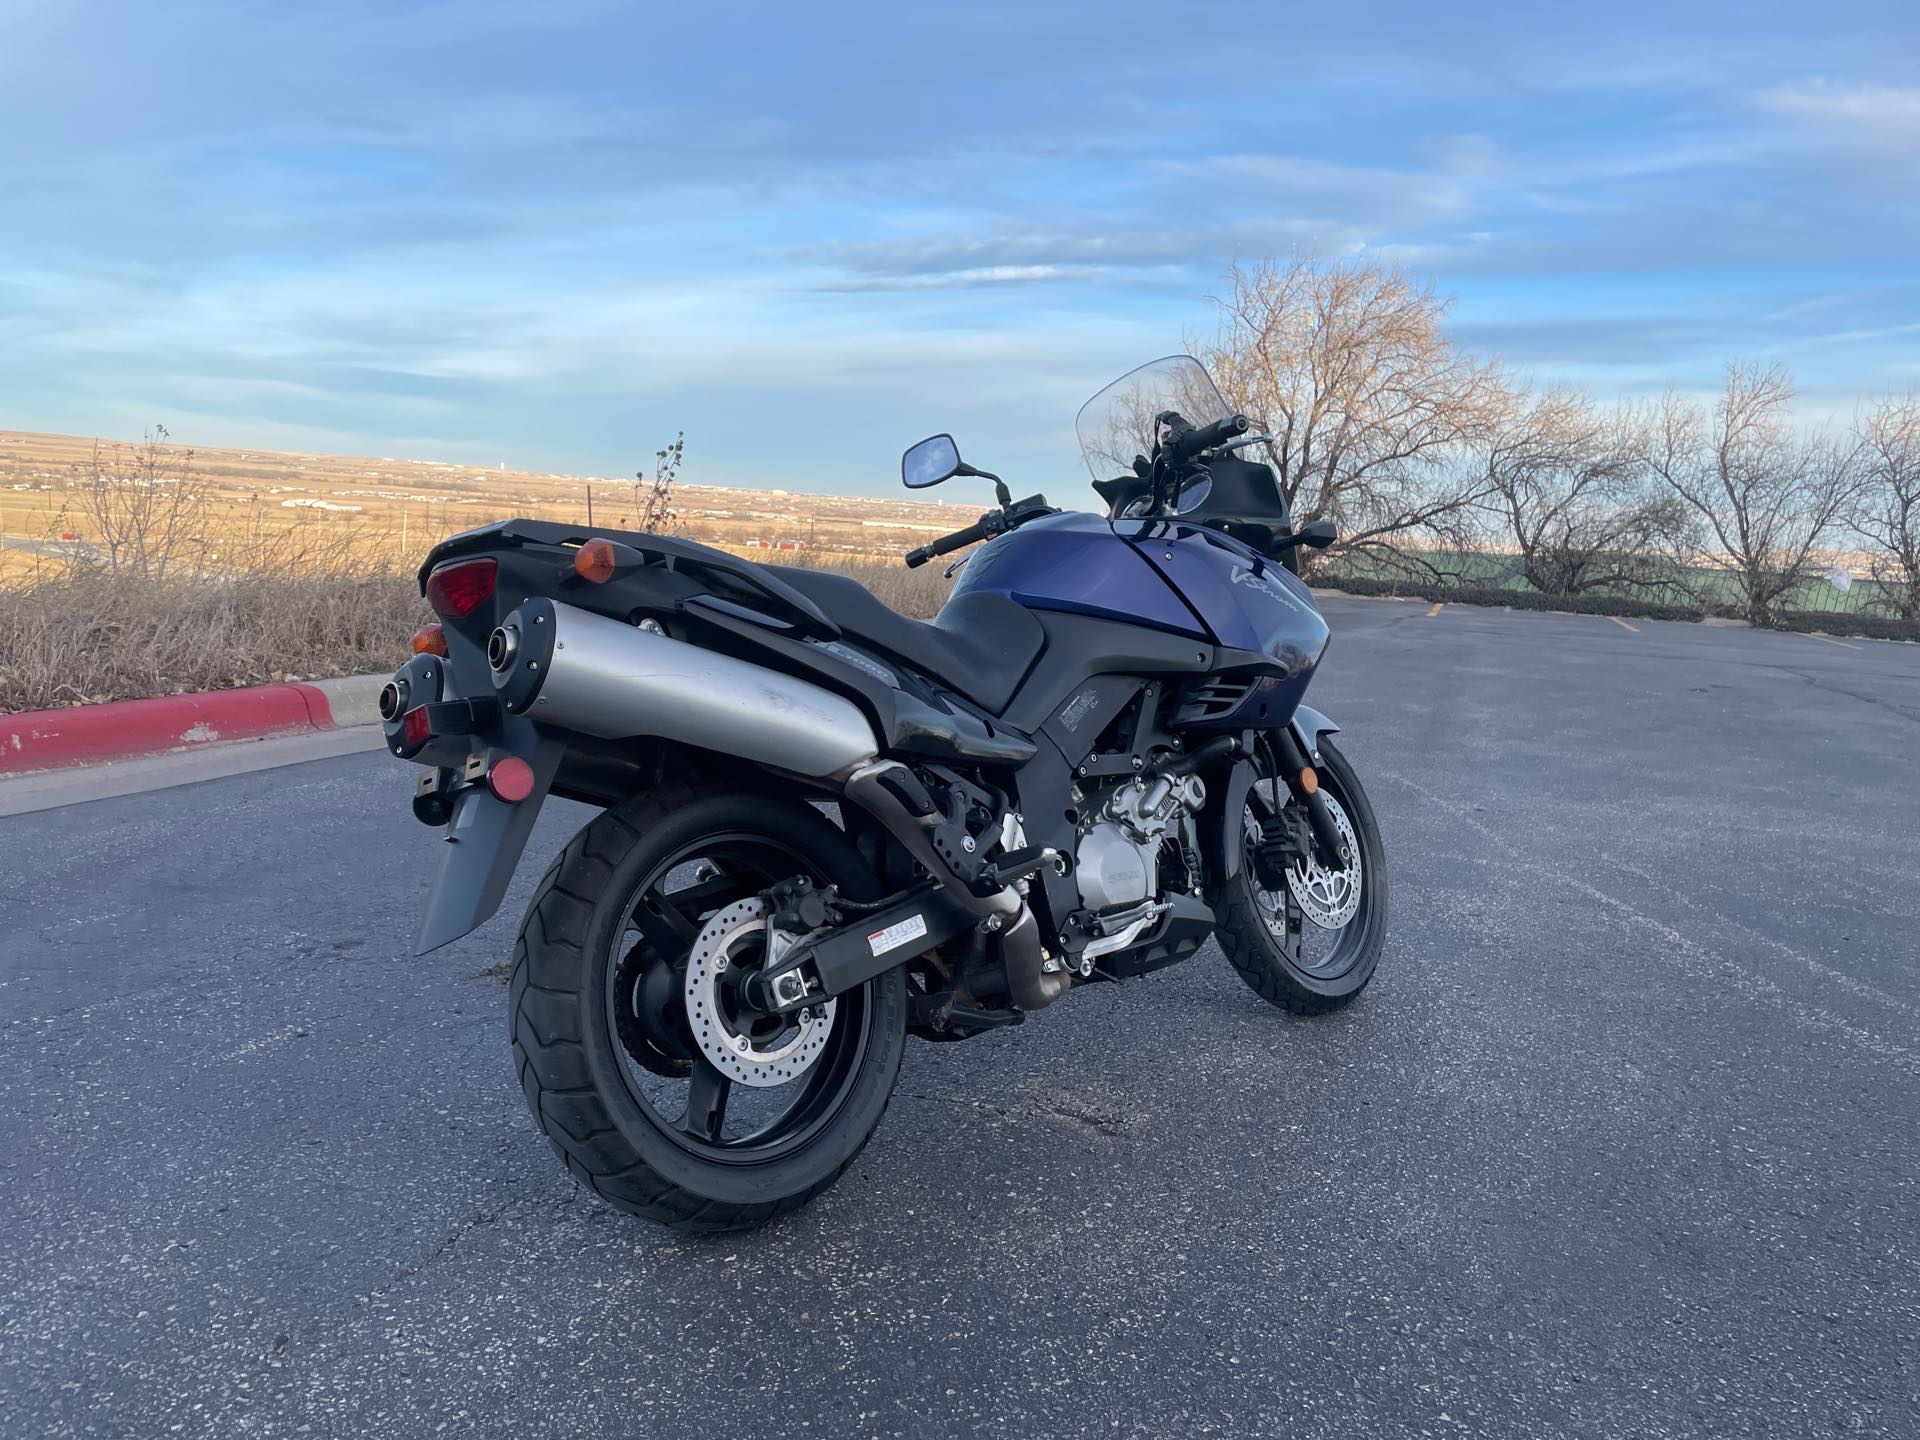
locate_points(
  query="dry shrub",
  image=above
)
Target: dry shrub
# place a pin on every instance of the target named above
(303, 607)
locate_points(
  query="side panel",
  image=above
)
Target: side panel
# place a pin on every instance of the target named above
(1076, 564)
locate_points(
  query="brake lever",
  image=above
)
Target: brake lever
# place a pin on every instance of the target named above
(948, 573)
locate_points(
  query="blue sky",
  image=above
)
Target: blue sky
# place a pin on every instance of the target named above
(551, 234)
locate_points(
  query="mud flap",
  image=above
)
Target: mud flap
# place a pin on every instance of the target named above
(483, 844)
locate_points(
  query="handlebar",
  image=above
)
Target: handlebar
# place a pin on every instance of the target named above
(984, 528)
(1189, 443)
(995, 522)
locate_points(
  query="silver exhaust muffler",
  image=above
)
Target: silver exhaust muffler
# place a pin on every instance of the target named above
(570, 668)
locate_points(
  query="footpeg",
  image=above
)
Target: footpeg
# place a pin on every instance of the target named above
(1019, 864)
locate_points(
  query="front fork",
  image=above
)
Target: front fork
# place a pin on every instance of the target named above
(1304, 783)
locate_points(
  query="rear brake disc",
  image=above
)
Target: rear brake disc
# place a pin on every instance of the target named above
(744, 1043)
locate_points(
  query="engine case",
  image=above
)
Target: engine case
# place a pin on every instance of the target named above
(1117, 860)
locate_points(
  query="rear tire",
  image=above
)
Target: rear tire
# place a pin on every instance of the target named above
(1261, 956)
(572, 1046)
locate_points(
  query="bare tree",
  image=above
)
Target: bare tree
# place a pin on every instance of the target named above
(1765, 495)
(1372, 408)
(140, 502)
(1569, 486)
(1887, 512)
(653, 498)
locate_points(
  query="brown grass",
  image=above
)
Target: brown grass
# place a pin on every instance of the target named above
(406, 506)
(219, 591)
(84, 636)
(919, 593)
(92, 637)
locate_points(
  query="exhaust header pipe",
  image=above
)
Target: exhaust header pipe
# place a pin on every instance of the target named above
(1005, 910)
(570, 668)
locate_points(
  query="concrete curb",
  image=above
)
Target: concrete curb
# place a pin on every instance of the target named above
(125, 729)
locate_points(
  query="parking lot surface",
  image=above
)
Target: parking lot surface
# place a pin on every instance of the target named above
(1622, 1140)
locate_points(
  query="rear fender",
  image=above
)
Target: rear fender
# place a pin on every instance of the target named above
(485, 838)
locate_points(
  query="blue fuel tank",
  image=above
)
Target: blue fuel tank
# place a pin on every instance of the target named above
(1174, 576)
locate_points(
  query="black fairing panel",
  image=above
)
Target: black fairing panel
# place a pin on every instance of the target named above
(1080, 647)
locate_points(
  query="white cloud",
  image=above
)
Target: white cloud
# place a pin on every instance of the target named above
(1887, 114)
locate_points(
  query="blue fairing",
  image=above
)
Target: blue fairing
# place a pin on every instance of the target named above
(1174, 576)
(1076, 563)
(1247, 603)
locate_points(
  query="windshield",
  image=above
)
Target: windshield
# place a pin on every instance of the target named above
(1117, 424)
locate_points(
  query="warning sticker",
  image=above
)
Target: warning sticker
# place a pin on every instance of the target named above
(897, 934)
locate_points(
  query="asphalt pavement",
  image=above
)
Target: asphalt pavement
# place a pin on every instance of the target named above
(1622, 1141)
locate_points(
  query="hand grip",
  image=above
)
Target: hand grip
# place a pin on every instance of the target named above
(1208, 436)
(947, 544)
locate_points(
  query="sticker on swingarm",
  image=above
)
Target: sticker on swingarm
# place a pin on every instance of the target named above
(897, 934)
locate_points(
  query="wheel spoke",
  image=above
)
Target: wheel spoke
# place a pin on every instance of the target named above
(671, 918)
(707, 1096)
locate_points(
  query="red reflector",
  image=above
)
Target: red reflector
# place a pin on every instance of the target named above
(511, 779)
(455, 591)
(415, 729)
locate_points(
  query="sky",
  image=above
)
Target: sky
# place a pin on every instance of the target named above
(550, 234)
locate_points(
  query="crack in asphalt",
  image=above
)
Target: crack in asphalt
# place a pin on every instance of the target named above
(1082, 1111)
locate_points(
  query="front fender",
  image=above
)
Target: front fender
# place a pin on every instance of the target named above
(1308, 726)
(1220, 827)
(1221, 839)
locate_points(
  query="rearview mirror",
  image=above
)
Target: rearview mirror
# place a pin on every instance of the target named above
(1320, 534)
(934, 459)
(1316, 536)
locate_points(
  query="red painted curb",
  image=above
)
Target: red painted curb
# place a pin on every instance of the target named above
(123, 729)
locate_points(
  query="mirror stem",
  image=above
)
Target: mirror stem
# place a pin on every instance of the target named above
(1000, 491)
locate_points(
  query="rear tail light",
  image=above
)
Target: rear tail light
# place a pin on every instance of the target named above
(430, 640)
(455, 591)
(416, 729)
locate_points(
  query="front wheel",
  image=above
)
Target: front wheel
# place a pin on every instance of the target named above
(639, 1048)
(1305, 937)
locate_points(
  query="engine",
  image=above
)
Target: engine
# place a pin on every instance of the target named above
(1117, 860)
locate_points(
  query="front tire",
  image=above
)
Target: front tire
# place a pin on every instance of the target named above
(1269, 935)
(605, 1055)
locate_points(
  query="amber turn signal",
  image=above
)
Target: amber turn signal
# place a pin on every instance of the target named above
(430, 639)
(1309, 782)
(594, 561)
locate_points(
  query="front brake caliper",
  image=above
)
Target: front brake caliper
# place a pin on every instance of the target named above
(1282, 842)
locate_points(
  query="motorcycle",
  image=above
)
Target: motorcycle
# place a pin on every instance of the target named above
(825, 826)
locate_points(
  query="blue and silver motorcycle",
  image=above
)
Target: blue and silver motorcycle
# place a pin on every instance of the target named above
(825, 826)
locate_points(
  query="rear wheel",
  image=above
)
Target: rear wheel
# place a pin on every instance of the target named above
(1305, 936)
(657, 1080)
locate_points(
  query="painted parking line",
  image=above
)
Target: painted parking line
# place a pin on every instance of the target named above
(1438, 607)
(1623, 624)
(1831, 641)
